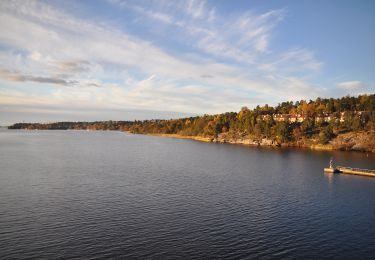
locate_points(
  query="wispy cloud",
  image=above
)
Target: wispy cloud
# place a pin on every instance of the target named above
(196, 8)
(350, 85)
(293, 61)
(227, 61)
(19, 77)
(237, 37)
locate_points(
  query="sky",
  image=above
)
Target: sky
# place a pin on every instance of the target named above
(125, 60)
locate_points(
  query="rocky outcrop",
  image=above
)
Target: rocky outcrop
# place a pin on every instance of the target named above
(355, 141)
(245, 140)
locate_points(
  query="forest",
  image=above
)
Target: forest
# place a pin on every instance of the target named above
(321, 119)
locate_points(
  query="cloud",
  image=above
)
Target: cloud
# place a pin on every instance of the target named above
(19, 77)
(293, 61)
(111, 68)
(235, 37)
(207, 76)
(154, 15)
(56, 38)
(196, 8)
(36, 113)
(16, 76)
(73, 66)
(35, 56)
(350, 85)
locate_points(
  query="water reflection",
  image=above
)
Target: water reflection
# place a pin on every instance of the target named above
(329, 176)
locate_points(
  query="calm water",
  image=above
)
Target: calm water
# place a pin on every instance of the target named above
(96, 195)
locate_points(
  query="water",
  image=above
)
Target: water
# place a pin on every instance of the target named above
(97, 195)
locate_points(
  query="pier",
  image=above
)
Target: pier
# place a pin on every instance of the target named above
(350, 170)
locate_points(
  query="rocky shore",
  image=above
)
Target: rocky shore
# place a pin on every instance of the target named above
(363, 141)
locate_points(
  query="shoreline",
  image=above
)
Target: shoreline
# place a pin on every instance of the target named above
(332, 146)
(251, 143)
(196, 138)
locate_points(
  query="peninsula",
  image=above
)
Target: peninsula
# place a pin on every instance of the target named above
(346, 123)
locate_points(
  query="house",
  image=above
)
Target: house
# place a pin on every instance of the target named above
(323, 118)
(296, 118)
(292, 119)
(301, 118)
(264, 117)
(281, 117)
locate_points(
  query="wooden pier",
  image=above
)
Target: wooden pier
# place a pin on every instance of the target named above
(349, 170)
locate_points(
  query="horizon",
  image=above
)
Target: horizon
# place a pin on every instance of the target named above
(125, 61)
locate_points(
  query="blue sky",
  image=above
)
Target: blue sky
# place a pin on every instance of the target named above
(126, 60)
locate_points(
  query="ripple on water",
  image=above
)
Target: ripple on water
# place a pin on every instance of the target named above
(100, 195)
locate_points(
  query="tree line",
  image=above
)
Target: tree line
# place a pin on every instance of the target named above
(321, 119)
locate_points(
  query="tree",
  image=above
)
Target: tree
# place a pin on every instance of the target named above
(348, 120)
(258, 131)
(356, 124)
(307, 126)
(281, 131)
(371, 123)
(326, 134)
(330, 106)
(297, 133)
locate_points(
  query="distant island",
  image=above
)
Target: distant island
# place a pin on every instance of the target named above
(346, 123)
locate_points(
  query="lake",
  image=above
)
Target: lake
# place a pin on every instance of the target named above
(99, 195)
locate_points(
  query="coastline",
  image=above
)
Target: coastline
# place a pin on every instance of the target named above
(363, 141)
(196, 138)
(332, 146)
(346, 124)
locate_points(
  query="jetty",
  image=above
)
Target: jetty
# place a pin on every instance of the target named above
(350, 170)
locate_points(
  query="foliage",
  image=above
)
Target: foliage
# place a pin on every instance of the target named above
(326, 134)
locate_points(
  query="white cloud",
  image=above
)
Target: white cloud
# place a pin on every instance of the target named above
(350, 85)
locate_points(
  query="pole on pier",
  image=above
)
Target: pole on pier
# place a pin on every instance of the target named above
(331, 163)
